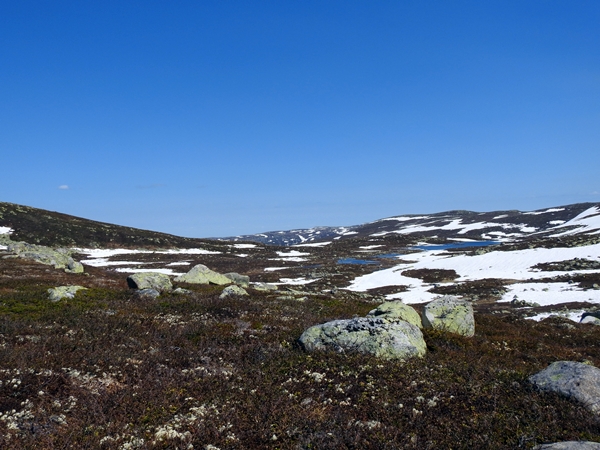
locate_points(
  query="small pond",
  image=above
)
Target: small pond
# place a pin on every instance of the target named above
(455, 245)
(356, 261)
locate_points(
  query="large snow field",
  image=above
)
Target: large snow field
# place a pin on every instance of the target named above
(508, 265)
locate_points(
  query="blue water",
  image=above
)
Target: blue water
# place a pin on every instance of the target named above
(456, 245)
(355, 261)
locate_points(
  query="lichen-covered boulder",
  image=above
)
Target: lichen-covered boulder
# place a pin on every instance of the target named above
(397, 310)
(59, 258)
(450, 314)
(150, 280)
(570, 445)
(573, 380)
(233, 291)
(388, 339)
(201, 274)
(240, 280)
(58, 293)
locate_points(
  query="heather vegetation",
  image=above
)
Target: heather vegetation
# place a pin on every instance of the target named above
(107, 369)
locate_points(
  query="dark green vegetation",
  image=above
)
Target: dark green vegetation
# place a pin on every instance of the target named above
(38, 226)
(105, 370)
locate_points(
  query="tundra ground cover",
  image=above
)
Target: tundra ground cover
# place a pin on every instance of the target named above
(105, 370)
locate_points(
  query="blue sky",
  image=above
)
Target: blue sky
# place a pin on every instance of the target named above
(218, 118)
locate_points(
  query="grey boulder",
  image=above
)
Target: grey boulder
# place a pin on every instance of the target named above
(201, 274)
(150, 280)
(388, 339)
(573, 380)
(450, 314)
(61, 292)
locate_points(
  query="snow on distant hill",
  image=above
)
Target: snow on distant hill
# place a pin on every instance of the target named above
(496, 225)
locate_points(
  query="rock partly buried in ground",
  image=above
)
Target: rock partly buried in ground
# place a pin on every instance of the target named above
(146, 294)
(389, 339)
(233, 291)
(570, 445)
(201, 274)
(573, 380)
(60, 259)
(265, 287)
(240, 280)
(150, 280)
(591, 317)
(58, 293)
(397, 310)
(451, 314)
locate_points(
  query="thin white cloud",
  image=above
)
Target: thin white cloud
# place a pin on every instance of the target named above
(63, 187)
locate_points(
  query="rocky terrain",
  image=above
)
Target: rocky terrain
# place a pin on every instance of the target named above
(425, 331)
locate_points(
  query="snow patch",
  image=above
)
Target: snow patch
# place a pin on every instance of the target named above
(316, 244)
(588, 220)
(6, 230)
(244, 245)
(132, 270)
(537, 213)
(550, 293)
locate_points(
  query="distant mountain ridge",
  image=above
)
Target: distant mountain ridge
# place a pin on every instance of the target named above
(50, 228)
(494, 225)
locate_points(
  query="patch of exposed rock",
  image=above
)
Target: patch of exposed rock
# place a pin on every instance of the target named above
(573, 380)
(450, 314)
(570, 445)
(591, 317)
(200, 274)
(150, 280)
(388, 339)
(240, 280)
(63, 292)
(60, 258)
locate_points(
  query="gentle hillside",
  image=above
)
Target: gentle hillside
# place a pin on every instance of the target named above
(38, 226)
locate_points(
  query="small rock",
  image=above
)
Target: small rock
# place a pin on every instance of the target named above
(181, 291)
(233, 291)
(146, 294)
(265, 287)
(573, 380)
(60, 292)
